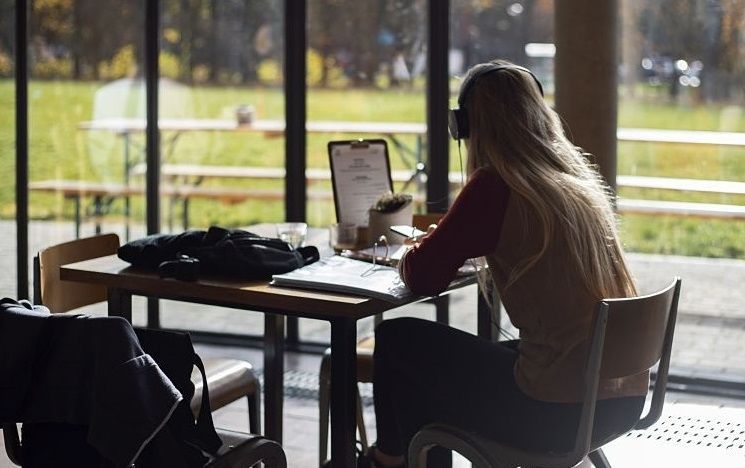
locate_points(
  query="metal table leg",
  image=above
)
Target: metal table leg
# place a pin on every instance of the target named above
(442, 309)
(488, 319)
(343, 394)
(483, 321)
(274, 368)
(127, 168)
(120, 303)
(78, 217)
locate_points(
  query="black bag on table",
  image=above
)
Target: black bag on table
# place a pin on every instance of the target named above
(233, 252)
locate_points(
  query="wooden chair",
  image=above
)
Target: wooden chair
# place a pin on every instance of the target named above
(647, 323)
(228, 379)
(365, 347)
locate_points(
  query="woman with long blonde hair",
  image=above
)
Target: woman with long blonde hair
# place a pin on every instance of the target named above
(536, 211)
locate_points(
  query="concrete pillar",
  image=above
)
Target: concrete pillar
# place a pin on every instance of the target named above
(586, 33)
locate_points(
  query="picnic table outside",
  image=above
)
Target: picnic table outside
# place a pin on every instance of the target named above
(184, 181)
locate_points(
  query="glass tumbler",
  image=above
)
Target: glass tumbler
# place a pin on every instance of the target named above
(292, 233)
(343, 236)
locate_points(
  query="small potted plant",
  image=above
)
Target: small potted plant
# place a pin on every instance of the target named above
(389, 210)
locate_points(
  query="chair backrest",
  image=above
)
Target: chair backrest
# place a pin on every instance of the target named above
(636, 333)
(62, 296)
(630, 335)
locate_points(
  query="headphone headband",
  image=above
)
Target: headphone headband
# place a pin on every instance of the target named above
(489, 68)
(458, 118)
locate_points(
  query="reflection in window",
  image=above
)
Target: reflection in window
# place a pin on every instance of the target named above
(84, 61)
(227, 136)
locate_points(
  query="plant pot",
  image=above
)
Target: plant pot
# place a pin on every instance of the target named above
(380, 223)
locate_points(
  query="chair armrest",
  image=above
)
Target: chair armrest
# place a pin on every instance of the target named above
(12, 443)
(240, 450)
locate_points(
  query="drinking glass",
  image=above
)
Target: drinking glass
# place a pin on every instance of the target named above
(343, 236)
(292, 233)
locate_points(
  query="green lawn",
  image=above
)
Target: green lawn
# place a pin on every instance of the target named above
(59, 150)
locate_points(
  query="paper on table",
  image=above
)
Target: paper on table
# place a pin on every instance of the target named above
(346, 275)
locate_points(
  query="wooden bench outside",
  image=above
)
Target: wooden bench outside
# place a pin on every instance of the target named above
(196, 173)
(686, 209)
(676, 208)
(103, 194)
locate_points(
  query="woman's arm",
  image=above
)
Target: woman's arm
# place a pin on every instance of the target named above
(470, 229)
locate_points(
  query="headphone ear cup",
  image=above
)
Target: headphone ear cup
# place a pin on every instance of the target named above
(458, 123)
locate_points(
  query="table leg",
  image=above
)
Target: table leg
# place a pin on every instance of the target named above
(293, 330)
(442, 309)
(343, 394)
(77, 217)
(274, 368)
(185, 213)
(483, 322)
(125, 138)
(120, 303)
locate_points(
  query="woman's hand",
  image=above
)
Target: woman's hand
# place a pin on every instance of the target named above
(411, 242)
(416, 239)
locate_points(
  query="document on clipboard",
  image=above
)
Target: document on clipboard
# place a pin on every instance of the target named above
(360, 174)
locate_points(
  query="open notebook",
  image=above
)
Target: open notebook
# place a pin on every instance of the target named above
(347, 275)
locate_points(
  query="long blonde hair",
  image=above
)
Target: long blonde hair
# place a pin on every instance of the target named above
(514, 131)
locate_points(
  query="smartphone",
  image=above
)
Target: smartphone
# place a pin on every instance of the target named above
(407, 231)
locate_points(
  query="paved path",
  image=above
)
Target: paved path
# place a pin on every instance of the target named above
(709, 341)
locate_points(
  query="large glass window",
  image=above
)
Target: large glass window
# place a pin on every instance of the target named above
(221, 110)
(7, 146)
(681, 77)
(85, 62)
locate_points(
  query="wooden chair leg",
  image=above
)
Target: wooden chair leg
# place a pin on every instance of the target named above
(324, 395)
(599, 459)
(361, 422)
(254, 411)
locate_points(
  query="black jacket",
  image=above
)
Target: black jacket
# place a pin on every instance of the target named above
(82, 371)
(231, 252)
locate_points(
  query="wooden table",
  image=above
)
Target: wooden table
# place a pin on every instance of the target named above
(341, 310)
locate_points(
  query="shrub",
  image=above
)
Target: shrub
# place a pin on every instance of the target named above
(52, 68)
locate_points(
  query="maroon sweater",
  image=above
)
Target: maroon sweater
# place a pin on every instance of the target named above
(470, 229)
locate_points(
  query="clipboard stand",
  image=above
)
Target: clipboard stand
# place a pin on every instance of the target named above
(360, 173)
(359, 144)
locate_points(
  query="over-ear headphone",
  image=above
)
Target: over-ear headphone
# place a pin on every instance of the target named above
(458, 118)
